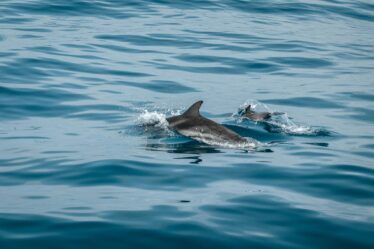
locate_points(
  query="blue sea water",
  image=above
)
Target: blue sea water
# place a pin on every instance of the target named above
(80, 79)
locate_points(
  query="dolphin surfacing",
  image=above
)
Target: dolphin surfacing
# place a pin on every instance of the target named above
(255, 116)
(192, 124)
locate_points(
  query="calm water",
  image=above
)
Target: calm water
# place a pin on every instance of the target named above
(80, 78)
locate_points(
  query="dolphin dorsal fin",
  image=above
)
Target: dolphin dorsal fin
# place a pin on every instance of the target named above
(193, 111)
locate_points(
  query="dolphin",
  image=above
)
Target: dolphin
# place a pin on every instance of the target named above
(191, 124)
(255, 116)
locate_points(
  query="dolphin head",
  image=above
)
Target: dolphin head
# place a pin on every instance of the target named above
(255, 116)
(248, 109)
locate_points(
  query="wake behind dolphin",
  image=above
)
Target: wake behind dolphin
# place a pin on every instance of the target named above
(191, 124)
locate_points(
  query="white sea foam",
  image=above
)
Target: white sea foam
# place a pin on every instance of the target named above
(154, 118)
(283, 123)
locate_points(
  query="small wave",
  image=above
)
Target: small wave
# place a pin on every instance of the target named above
(279, 122)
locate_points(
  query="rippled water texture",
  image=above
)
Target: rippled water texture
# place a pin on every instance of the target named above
(80, 166)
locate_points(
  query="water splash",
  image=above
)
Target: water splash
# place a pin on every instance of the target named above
(152, 118)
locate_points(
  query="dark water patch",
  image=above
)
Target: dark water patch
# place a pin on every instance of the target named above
(71, 134)
(321, 144)
(250, 67)
(71, 214)
(30, 36)
(108, 197)
(12, 161)
(40, 96)
(108, 117)
(17, 72)
(23, 137)
(167, 231)
(267, 8)
(112, 173)
(304, 11)
(170, 41)
(142, 175)
(15, 20)
(163, 23)
(235, 64)
(37, 30)
(308, 102)
(111, 92)
(368, 146)
(195, 4)
(312, 182)
(300, 62)
(309, 154)
(354, 47)
(80, 46)
(232, 48)
(128, 50)
(208, 59)
(192, 159)
(77, 208)
(70, 8)
(53, 51)
(230, 35)
(353, 169)
(92, 81)
(184, 201)
(364, 5)
(161, 86)
(189, 147)
(45, 49)
(307, 232)
(53, 152)
(367, 154)
(69, 86)
(292, 46)
(48, 63)
(52, 103)
(353, 13)
(201, 70)
(362, 114)
(36, 197)
(359, 95)
(7, 54)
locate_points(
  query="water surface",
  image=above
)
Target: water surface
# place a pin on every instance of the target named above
(79, 78)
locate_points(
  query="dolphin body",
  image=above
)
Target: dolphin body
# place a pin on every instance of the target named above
(256, 116)
(192, 124)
